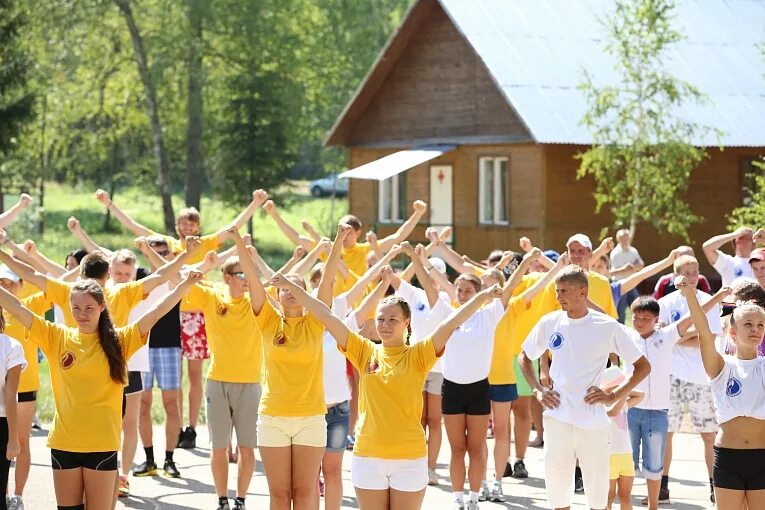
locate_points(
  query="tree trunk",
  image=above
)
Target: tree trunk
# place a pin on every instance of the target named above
(152, 106)
(194, 157)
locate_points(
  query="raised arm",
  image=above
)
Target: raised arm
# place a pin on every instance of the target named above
(305, 264)
(259, 197)
(13, 306)
(451, 257)
(25, 272)
(405, 230)
(529, 294)
(715, 243)
(356, 292)
(150, 253)
(11, 214)
(286, 228)
(685, 324)
(73, 224)
(430, 234)
(374, 245)
(444, 331)
(168, 301)
(605, 247)
(515, 278)
(326, 284)
(17, 250)
(254, 285)
(422, 275)
(648, 271)
(527, 246)
(260, 264)
(41, 261)
(214, 260)
(308, 228)
(713, 362)
(172, 268)
(369, 303)
(315, 307)
(297, 254)
(126, 221)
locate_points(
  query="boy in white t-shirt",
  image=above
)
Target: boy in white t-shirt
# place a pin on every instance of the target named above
(731, 267)
(575, 420)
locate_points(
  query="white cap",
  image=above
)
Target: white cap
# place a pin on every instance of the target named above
(581, 239)
(613, 375)
(7, 274)
(438, 264)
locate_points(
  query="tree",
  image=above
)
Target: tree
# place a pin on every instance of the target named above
(642, 153)
(752, 212)
(195, 12)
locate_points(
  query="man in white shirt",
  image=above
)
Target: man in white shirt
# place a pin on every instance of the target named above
(575, 420)
(731, 267)
(625, 260)
(689, 387)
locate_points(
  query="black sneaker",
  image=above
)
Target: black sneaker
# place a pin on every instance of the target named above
(188, 439)
(519, 469)
(170, 470)
(578, 485)
(146, 469)
(508, 471)
(223, 505)
(712, 494)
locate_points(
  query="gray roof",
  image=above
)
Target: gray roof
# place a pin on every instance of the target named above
(536, 50)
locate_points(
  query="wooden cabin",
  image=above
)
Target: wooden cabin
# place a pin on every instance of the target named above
(488, 92)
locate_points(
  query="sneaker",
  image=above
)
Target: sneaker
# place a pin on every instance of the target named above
(238, 505)
(496, 492)
(485, 492)
(321, 487)
(519, 469)
(170, 470)
(188, 439)
(472, 505)
(459, 505)
(146, 469)
(223, 505)
(15, 503)
(124, 489)
(663, 498)
(578, 485)
(508, 471)
(712, 494)
(36, 423)
(432, 477)
(490, 432)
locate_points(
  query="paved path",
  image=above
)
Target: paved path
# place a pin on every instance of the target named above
(689, 486)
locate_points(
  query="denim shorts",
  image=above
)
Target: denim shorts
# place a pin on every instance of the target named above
(338, 422)
(648, 427)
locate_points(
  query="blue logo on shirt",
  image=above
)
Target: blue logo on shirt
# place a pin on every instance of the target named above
(738, 271)
(420, 307)
(675, 316)
(556, 341)
(733, 388)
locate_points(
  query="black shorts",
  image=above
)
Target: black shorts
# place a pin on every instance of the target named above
(26, 396)
(135, 383)
(472, 398)
(97, 461)
(742, 470)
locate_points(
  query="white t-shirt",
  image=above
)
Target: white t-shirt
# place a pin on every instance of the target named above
(12, 355)
(657, 349)
(686, 360)
(467, 358)
(139, 362)
(620, 433)
(731, 267)
(424, 318)
(739, 389)
(580, 349)
(620, 257)
(337, 389)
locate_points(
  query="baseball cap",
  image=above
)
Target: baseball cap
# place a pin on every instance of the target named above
(758, 254)
(438, 264)
(552, 255)
(612, 375)
(7, 274)
(581, 239)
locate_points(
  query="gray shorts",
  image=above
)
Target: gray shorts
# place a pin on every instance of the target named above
(433, 383)
(232, 406)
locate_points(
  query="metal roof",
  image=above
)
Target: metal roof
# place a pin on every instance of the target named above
(536, 51)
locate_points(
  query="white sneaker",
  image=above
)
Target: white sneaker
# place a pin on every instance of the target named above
(472, 505)
(496, 492)
(432, 477)
(485, 492)
(15, 503)
(459, 505)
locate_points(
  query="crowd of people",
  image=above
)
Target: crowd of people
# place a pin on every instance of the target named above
(337, 350)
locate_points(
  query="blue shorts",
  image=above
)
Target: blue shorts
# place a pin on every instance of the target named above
(338, 422)
(503, 392)
(165, 366)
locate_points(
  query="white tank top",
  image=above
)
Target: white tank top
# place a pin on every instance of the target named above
(739, 389)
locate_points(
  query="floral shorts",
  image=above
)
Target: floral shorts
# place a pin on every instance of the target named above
(194, 336)
(696, 400)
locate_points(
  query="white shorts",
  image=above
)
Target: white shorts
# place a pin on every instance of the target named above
(410, 475)
(564, 443)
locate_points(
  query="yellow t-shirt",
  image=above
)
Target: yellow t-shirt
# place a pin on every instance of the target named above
(599, 293)
(233, 334)
(355, 258)
(390, 397)
(120, 300)
(88, 401)
(210, 242)
(502, 368)
(27, 289)
(293, 378)
(37, 304)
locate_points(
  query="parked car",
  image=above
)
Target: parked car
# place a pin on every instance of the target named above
(327, 185)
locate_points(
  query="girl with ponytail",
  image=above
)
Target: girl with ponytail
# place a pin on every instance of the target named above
(88, 373)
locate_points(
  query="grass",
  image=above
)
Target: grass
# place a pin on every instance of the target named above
(62, 201)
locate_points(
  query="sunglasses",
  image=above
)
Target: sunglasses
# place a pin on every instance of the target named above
(240, 275)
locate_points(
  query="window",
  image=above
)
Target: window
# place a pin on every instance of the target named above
(392, 200)
(750, 168)
(493, 186)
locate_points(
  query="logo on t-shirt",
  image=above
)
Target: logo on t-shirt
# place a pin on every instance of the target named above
(733, 388)
(373, 366)
(280, 339)
(556, 341)
(67, 360)
(675, 315)
(738, 272)
(222, 310)
(420, 307)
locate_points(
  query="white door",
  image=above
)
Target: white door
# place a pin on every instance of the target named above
(441, 196)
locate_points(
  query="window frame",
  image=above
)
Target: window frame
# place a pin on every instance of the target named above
(497, 196)
(395, 204)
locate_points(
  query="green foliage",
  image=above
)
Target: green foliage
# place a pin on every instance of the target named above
(642, 157)
(753, 210)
